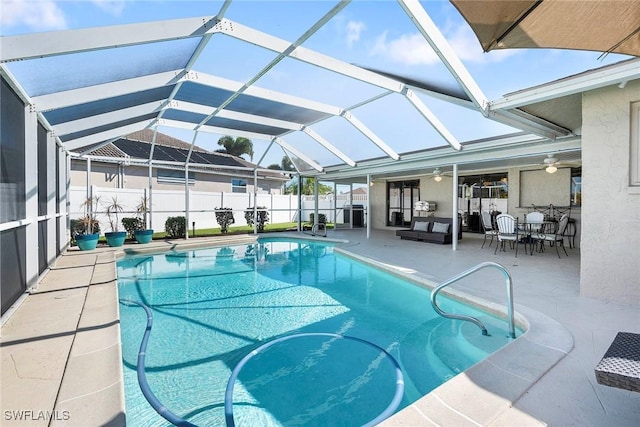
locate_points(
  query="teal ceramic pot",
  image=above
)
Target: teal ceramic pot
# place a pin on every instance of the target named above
(143, 236)
(87, 242)
(116, 238)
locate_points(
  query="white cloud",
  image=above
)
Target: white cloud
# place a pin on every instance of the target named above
(408, 49)
(413, 49)
(112, 7)
(354, 29)
(38, 15)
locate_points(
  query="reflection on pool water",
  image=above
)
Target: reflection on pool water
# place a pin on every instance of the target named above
(212, 307)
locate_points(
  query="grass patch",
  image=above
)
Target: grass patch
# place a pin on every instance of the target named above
(243, 229)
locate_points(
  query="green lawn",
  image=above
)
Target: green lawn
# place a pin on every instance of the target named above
(245, 229)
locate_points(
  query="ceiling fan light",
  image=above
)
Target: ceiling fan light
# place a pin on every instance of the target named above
(551, 169)
(437, 175)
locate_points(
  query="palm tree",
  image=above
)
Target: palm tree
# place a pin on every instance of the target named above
(285, 165)
(236, 146)
(307, 187)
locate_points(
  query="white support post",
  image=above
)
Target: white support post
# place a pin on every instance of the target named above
(351, 205)
(51, 198)
(255, 201)
(68, 196)
(88, 179)
(335, 205)
(368, 217)
(150, 197)
(315, 207)
(186, 201)
(31, 195)
(63, 197)
(299, 203)
(455, 224)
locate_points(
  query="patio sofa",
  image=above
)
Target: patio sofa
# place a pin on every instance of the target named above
(430, 229)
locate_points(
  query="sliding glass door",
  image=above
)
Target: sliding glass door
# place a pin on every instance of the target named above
(401, 197)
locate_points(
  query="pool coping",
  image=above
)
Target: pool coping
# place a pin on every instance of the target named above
(482, 395)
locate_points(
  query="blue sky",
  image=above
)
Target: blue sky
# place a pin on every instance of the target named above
(374, 34)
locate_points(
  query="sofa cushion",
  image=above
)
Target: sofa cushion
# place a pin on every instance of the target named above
(440, 227)
(421, 226)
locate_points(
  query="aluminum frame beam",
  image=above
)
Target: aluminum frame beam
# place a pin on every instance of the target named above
(297, 153)
(280, 46)
(106, 90)
(581, 83)
(432, 119)
(40, 45)
(326, 144)
(79, 125)
(442, 48)
(101, 136)
(370, 135)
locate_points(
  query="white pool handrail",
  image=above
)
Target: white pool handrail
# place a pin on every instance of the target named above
(434, 293)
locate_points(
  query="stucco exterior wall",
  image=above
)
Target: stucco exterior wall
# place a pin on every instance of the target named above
(107, 175)
(609, 266)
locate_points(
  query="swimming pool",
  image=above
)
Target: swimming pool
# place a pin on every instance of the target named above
(212, 307)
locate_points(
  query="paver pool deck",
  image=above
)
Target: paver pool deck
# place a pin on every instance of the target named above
(61, 357)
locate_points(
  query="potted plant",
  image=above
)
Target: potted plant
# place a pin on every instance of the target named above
(116, 237)
(141, 233)
(86, 231)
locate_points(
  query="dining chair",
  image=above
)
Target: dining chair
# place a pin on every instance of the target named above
(556, 238)
(507, 232)
(532, 227)
(488, 228)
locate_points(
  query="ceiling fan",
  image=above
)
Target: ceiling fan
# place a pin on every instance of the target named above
(551, 164)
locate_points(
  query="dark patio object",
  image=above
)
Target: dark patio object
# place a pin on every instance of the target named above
(620, 366)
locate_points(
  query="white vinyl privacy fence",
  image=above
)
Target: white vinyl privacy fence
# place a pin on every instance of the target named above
(202, 205)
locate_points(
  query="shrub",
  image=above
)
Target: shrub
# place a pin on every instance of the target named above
(224, 217)
(174, 226)
(131, 225)
(263, 217)
(322, 218)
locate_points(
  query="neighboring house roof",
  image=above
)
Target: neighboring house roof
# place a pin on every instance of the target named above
(171, 149)
(146, 135)
(108, 150)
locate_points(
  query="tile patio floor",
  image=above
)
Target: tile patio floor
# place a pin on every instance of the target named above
(68, 331)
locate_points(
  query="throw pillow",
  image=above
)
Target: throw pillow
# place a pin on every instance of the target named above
(440, 227)
(420, 226)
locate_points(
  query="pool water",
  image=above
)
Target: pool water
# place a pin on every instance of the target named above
(212, 307)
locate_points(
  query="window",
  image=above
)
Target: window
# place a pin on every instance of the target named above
(576, 186)
(169, 176)
(238, 185)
